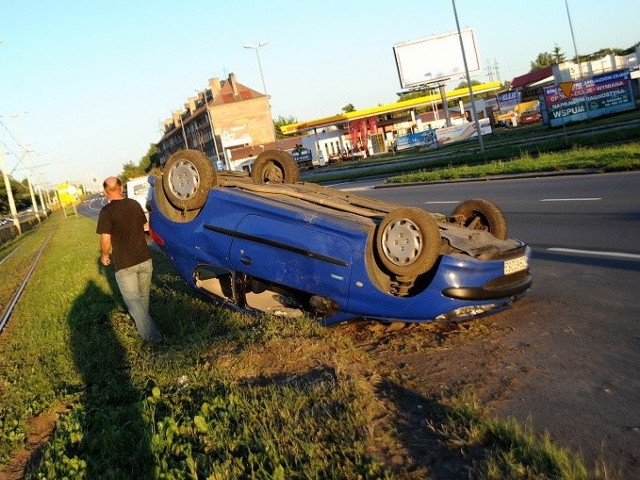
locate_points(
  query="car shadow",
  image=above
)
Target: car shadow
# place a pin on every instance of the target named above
(110, 416)
(426, 450)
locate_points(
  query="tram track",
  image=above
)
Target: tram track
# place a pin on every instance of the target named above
(17, 293)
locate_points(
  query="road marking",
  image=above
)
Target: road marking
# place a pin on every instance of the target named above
(355, 189)
(597, 254)
(588, 199)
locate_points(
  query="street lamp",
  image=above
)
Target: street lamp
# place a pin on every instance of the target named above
(466, 70)
(264, 86)
(257, 49)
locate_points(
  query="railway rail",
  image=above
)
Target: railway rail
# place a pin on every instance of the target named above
(14, 296)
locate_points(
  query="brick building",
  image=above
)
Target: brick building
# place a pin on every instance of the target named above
(227, 121)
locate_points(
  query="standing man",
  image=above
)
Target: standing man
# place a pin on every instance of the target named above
(121, 227)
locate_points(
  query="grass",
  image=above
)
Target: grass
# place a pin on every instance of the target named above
(609, 159)
(228, 395)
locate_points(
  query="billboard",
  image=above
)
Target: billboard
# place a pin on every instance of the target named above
(465, 131)
(436, 58)
(509, 100)
(593, 97)
(426, 138)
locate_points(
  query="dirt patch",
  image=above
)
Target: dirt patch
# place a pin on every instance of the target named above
(40, 430)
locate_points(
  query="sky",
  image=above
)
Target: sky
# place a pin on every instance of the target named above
(85, 85)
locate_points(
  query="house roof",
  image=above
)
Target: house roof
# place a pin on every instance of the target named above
(233, 91)
(532, 77)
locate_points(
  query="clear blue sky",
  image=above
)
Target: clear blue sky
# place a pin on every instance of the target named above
(96, 78)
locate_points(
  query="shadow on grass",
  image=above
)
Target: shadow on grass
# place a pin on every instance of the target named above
(428, 449)
(116, 440)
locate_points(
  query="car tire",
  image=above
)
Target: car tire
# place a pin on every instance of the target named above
(275, 166)
(187, 178)
(408, 241)
(481, 214)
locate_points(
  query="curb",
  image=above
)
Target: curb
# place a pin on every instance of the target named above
(490, 178)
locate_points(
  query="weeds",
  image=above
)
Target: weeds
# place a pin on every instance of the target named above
(227, 396)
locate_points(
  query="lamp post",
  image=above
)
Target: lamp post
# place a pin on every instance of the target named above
(466, 70)
(257, 49)
(264, 86)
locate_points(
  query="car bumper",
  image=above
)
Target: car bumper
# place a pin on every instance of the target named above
(503, 287)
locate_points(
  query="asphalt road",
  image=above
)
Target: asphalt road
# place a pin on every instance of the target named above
(574, 341)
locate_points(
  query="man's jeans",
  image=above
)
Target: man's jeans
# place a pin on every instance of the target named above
(135, 286)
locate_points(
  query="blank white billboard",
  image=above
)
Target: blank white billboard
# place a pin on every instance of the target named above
(436, 58)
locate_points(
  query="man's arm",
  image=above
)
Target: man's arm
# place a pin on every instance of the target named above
(105, 248)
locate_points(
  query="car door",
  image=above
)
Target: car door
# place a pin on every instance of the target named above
(294, 254)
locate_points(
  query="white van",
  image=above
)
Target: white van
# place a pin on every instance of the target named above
(138, 188)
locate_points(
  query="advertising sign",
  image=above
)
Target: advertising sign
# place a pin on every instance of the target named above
(67, 194)
(426, 138)
(596, 96)
(456, 133)
(508, 100)
(436, 58)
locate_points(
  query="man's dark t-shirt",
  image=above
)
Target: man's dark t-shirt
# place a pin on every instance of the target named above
(124, 220)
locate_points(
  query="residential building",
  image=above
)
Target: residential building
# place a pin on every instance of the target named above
(225, 118)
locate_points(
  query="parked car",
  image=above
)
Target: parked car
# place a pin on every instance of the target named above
(302, 156)
(267, 243)
(530, 116)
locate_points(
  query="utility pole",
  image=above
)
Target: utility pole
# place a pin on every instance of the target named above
(7, 185)
(23, 160)
(466, 69)
(495, 69)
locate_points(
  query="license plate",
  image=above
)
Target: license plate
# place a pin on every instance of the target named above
(515, 265)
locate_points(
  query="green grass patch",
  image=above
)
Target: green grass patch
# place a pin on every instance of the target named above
(609, 159)
(227, 395)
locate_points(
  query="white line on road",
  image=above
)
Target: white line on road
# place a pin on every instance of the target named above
(587, 199)
(597, 254)
(355, 189)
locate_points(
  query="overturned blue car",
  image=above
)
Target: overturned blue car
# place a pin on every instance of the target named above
(267, 243)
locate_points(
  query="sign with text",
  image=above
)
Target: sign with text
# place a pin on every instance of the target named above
(593, 97)
(508, 100)
(465, 131)
(426, 138)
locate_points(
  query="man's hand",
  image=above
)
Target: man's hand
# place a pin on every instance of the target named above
(105, 248)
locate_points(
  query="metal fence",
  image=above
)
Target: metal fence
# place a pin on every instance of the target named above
(9, 231)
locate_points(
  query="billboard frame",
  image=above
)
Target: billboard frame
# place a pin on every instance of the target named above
(415, 58)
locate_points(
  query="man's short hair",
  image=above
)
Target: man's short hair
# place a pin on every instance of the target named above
(111, 187)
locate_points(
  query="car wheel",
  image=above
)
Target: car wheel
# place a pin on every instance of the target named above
(408, 241)
(275, 166)
(187, 177)
(480, 214)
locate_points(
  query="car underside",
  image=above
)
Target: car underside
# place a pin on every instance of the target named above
(299, 248)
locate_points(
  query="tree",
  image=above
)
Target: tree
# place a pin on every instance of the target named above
(558, 55)
(21, 195)
(147, 163)
(348, 108)
(546, 59)
(477, 96)
(280, 121)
